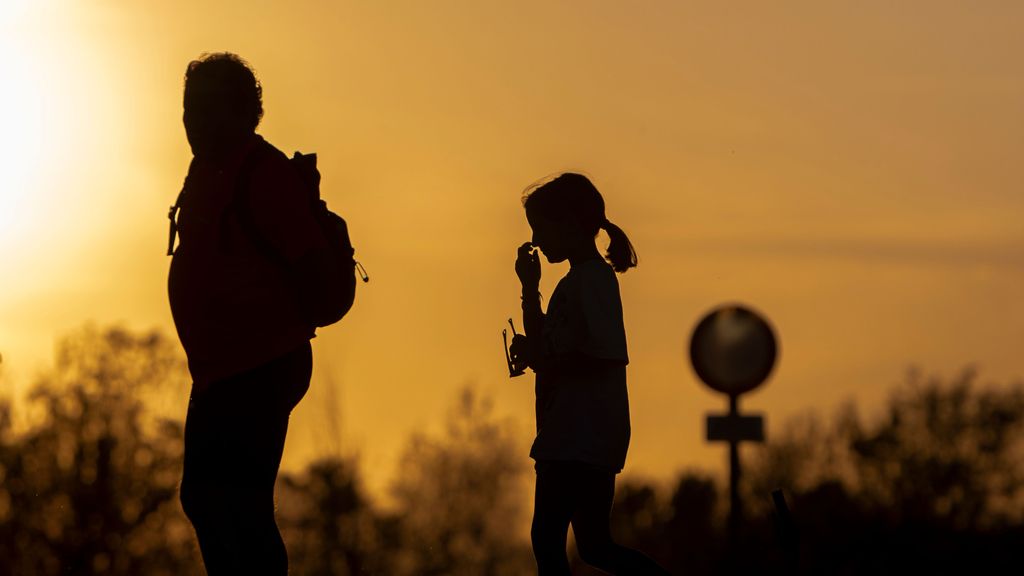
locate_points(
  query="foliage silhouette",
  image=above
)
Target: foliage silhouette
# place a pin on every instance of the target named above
(330, 524)
(928, 485)
(90, 471)
(936, 483)
(91, 485)
(461, 498)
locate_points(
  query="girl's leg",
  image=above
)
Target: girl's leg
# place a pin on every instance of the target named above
(596, 490)
(553, 507)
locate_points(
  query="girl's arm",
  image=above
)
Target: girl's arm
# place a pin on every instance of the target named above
(533, 326)
(528, 270)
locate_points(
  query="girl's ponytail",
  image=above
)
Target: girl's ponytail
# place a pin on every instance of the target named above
(620, 251)
(573, 196)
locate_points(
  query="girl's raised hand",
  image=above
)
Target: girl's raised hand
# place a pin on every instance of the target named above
(528, 267)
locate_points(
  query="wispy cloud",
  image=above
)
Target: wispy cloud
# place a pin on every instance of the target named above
(894, 251)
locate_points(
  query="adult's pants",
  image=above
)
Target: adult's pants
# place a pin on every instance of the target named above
(234, 436)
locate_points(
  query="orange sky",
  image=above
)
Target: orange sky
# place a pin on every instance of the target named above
(849, 168)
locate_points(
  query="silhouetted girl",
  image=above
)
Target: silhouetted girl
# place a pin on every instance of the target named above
(578, 352)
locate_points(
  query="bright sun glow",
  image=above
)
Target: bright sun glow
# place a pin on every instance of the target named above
(22, 116)
(27, 118)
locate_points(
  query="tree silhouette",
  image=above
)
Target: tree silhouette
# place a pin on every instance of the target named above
(461, 498)
(692, 526)
(91, 486)
(88, 485)
(329, 526)
(948, 455)
(934, 481)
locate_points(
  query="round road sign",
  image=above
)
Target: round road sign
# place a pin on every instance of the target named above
(733, 349)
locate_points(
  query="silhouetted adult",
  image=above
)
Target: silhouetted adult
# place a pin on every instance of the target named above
(247, 236)
(578, 351)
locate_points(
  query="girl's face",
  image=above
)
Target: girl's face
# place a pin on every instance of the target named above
(556, 239)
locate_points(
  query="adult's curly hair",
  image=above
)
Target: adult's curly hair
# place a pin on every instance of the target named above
(232, 73)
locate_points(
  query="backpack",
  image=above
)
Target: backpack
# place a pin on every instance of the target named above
(325, 295)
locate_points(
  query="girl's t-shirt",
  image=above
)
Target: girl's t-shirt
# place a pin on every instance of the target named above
(582, 403)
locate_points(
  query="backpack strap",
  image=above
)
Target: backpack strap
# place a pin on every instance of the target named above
(172, 213)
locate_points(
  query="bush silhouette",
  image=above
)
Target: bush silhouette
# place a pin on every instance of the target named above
(91, 486)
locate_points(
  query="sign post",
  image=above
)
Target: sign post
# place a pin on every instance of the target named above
(733, 351)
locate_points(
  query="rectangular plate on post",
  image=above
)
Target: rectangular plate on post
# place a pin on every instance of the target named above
(735, 428)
